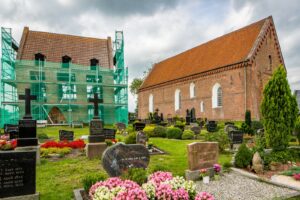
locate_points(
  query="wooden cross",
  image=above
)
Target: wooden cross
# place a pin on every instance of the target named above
(96, 101)
(27, 97)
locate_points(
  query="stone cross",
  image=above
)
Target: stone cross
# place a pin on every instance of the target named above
(27, 97)
(96, 101)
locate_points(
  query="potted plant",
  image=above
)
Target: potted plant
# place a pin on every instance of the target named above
(204, 175)
(217, 169)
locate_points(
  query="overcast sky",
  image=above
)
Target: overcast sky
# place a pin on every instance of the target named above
(157, 29)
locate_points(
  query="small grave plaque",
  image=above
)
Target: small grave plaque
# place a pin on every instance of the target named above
(236, 137)
(66, 135)
(96, 131)
(12, 130)
(17, 173)
(211, 126)
(139, 126)
(141, 138)
(120, 157)
(109, 133)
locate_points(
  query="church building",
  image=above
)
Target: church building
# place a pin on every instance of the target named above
(220, 79)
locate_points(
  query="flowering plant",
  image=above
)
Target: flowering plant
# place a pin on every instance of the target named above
(160, 185)
(296, 177)
(77, 144)
(203, 173)
(217, 168)
(8, 145)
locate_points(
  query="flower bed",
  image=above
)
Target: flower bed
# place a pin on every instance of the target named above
(160, 185)
(6, 145)
(77, 144)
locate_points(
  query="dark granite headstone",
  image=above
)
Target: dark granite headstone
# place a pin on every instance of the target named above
(17, 173)
(141, 138)
(193, 115)
(139, 126)
(11, 130)
(236, 137)
(109, 133)
(196, 129)
(96, 101)
(96, 131)
(66, 135)
(161, 116)
(118, 158)
(211, 126)
(188, 117)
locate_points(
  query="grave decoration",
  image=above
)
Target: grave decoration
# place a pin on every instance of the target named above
(211, 126)
(138, 126)
(118, 158)
(188, 117)
(66, 135)
(98, 134)
(201, 155)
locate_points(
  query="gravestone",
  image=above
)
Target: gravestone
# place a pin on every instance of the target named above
(138, 126)
(193, 115)
(230, 127)
(196, 129)
(156, 117)
(141, 138)
(235, 137)
(27, 125)
(118, 158)
(17, 174)
(66, 135)
(120, 126)
(96, 138)
(188, 117)
(201, 155)
(161, 117)
(211, 126)
(109, 133)
(11, 130)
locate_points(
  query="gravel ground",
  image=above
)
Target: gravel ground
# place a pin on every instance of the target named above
(234, 186)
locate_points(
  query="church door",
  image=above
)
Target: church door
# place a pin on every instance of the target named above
(56, 116)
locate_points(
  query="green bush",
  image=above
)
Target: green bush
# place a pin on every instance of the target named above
(187, 135)
(226, 166)
(160, 131)
(42, 136)
(247, 129)
(256, 125)
(138, 175)
(149, 131)
(260, 142)
(279, 157)
(130, 138)
(90, 180)
(297, 129)
(180, 124)
(243, 157)
(279, 110)
(159, 167)
(174, 133)
(221, 137)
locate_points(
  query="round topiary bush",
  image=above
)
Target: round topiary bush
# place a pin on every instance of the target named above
(174, 133)
(131, 138)
(243, 157)
(160, 131)
(187, 135)
(149, 130)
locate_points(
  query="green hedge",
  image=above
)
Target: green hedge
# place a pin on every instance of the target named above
(174, 133)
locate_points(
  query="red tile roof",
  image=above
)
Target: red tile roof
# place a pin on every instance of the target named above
(54, 46)
(228, 49)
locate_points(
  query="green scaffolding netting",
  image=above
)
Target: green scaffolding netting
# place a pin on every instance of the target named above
(62, 90)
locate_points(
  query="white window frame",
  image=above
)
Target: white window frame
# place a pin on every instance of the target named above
(192, 90)
(202, 106)
(217, 100)
(177, 102)
(151, 103)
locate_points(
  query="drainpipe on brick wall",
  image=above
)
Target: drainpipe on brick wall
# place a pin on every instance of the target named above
(245, 77)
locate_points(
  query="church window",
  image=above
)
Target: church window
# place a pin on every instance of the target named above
(151, 106)
(93, 63)
(39, 59)
(177, 99)
(217, 96)
(201, 106)
(192, 90)
(66, 61)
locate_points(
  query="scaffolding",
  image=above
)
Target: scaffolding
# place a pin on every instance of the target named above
(62, 89)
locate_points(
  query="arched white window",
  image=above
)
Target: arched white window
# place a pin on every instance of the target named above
(217, 96)
(151, 106)
(177, 99)
(192, 90)
(201, 106)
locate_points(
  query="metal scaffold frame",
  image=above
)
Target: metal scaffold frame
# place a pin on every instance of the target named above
(62, 88)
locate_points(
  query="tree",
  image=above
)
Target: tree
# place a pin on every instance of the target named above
(248, 118)
(135, 85)
(279, 110)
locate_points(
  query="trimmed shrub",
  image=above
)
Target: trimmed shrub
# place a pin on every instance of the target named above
(256, 125)
(90, 180)
(180, 124)
(174, 133)
(279, 157)
(130, 138)
(279, 110)
(138, 175)
(149, 131)
(160, 131)
(248, 118)
(187, 135)
(42, 136)
(221, 137)
(54, 150)
(243, 157)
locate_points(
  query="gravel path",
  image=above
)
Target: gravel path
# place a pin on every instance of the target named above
(234, 186)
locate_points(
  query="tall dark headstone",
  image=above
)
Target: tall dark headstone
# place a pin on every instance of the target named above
(96, 124)
(193, 115)
(161, 116)
(188, 117)
(96, 101)
(27, 125)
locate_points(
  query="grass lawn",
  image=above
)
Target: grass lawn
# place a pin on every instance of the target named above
(57, 179)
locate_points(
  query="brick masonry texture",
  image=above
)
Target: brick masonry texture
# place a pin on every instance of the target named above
(242, 84)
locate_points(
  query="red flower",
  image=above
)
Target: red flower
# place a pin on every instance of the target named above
(77, 144)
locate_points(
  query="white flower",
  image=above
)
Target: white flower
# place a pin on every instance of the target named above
(103, 193)
(149, 189)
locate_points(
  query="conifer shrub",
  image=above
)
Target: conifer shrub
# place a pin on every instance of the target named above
(279, 110)
(174, 133)
(243, 157)
(187, 135)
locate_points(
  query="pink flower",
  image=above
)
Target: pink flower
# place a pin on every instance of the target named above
(217, 168)
(164, 192)
(159, 177)
(136, 194)
(180, 194)
(296, 177)
(204, 196)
